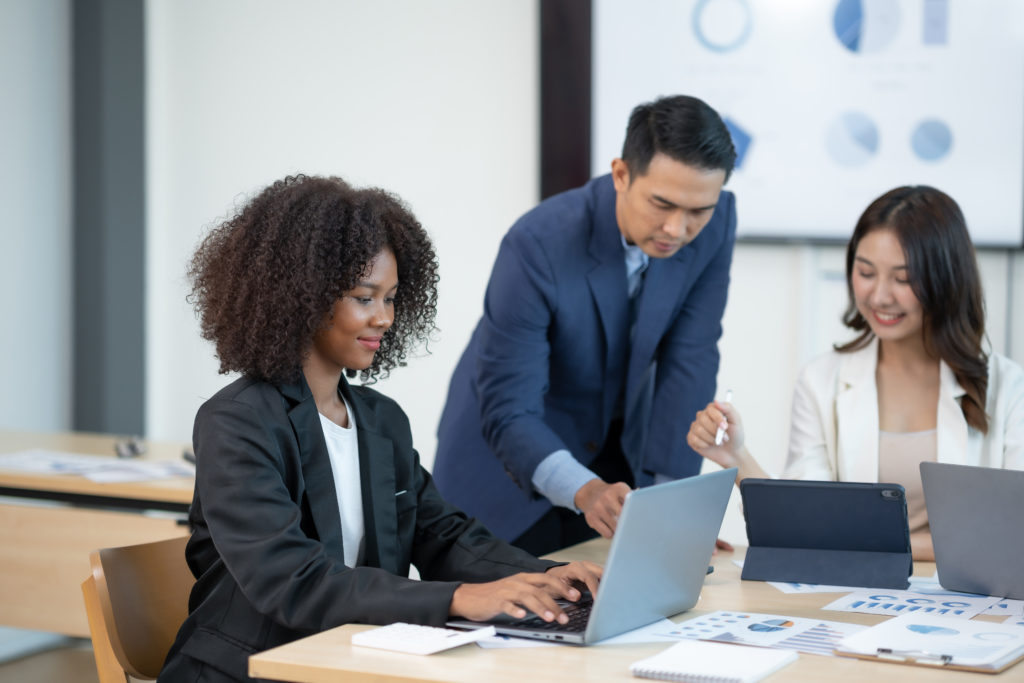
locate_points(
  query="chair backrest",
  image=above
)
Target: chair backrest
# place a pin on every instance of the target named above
(136, 600)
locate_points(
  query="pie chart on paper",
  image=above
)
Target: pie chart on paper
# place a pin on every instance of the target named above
(771, 625)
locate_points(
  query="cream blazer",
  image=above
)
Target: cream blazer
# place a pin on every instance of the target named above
(834, 427)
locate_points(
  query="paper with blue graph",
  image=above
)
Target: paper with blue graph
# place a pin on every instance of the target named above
(1003, 608)
(938, 641)
(811, 636)
(893, 603)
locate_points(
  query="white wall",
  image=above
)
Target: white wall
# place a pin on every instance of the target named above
(436, 101)
(35, 228)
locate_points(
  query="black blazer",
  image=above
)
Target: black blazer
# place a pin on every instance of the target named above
(266, 545)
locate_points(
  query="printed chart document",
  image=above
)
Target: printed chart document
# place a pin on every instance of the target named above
(1013, 608)
(103, 470)
(939, 642)
(697, 661)
(793, 587)
(893, 603)
(812, 636)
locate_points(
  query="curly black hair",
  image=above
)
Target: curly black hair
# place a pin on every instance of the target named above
(264, 280)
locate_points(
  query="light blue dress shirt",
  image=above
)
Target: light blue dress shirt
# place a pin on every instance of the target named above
(559, 476)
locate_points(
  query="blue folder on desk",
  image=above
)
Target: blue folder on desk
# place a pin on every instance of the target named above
(826, 532)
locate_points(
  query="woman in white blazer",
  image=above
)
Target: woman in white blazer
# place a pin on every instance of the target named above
(915, 384)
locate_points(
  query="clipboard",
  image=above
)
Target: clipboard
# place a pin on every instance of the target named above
(938, 643)
(826, 532)
(926, 659)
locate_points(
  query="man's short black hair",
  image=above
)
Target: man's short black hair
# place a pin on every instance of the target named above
(681, 127)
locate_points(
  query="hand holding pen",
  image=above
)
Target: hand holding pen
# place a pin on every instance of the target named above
(717, 432)
(720, 434)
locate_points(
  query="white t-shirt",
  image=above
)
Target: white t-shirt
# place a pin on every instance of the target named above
(343, 449)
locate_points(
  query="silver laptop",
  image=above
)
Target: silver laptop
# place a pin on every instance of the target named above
(975, 516)
(656, 566)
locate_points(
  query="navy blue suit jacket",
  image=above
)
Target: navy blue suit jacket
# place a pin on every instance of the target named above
(551, 355)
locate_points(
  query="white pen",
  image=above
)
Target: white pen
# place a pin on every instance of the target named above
(721, 430)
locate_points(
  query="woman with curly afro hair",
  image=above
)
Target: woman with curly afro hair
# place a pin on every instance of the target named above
(310, 503)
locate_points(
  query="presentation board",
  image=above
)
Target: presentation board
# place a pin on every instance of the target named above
(832, 102)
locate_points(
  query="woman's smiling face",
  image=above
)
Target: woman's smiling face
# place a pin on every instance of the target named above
(356, 324)
(881, 287)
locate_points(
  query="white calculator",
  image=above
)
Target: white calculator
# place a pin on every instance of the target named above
(416, 639)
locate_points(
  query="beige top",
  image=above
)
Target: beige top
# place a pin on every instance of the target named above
(834, 431)
(899, 459)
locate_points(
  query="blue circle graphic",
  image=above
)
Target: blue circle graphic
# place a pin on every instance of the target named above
(996, 637)
(931, 140)
(852, 139)
(722, 25)
(847, 21)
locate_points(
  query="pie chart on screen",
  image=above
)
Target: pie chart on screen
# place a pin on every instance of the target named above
(865, 26)
(852, 139)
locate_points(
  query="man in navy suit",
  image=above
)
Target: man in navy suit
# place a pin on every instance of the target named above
(598, 342)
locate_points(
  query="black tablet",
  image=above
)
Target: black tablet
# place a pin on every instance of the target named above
(826, 532)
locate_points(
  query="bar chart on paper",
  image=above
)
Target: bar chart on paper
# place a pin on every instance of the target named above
(892, 603)
(820, 639)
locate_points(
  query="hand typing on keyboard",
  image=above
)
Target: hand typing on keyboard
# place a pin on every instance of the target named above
(527, 592)
(577, 612)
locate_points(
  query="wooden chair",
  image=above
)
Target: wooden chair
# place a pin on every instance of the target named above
(136, 599)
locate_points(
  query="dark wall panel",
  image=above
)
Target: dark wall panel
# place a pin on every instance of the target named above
(109, 215)
(565, 101)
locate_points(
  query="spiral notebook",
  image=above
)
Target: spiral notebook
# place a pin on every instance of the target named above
(699, 661)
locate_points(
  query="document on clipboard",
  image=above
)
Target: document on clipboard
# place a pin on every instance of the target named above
(939, 642)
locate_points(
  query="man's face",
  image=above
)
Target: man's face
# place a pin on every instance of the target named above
(664, 209)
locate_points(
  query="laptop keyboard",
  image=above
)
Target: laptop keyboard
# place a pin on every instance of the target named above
(578, 613)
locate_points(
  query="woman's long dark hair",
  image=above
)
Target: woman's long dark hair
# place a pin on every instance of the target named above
(943, 273)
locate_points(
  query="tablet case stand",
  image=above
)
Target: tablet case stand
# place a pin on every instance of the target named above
(830, 567)
(834, 533)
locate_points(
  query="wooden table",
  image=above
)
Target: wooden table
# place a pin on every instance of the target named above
(50, 523)
(329, 656)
